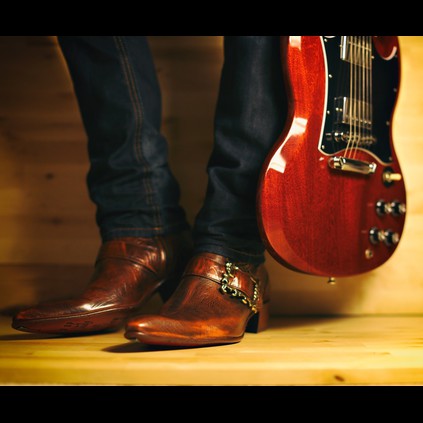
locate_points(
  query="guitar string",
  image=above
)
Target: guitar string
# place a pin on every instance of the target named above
(352, 94)
(366, 123)
(366, 132)
(366, 48)
(370, 62)
(353, 114)
(354, 98)
(357, 100)
(359, 110)
(357, 95)
(365, 99)
(348, 105)
(361, 99)
(365, 90)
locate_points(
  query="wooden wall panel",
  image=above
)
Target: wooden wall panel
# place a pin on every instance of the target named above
(46, 216)
(44, 206)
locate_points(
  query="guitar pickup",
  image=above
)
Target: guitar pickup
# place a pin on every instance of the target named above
(353, 112)
(351, 165)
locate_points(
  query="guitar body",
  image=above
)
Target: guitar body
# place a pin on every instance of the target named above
(331, 196)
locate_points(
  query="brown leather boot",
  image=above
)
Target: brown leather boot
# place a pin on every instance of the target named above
(215, 303)
(128, 271)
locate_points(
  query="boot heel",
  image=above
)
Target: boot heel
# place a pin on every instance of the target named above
(260, 321)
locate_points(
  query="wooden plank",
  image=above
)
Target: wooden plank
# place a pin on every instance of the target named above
(304, 351)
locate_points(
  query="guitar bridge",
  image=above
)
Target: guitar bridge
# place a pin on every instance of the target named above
(351, 165)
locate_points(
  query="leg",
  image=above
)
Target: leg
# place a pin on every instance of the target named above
(119, 98)
(250, 116)
(142, 226)
(225, 289)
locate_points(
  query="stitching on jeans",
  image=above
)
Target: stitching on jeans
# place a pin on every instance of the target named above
(136, 101)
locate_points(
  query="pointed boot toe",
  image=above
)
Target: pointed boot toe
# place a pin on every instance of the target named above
(155, 330)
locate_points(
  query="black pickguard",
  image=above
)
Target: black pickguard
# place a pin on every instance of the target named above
(385, 81)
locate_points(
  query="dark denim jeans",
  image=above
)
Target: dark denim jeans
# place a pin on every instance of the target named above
(129, 178)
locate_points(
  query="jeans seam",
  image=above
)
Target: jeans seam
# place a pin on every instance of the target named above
(136, 101)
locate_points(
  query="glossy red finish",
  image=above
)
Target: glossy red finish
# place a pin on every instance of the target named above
(385, 45)
(315, 219)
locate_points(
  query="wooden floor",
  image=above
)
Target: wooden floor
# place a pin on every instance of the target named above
(382, 350)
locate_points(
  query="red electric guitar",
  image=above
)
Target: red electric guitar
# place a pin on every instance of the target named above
(331, 196)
